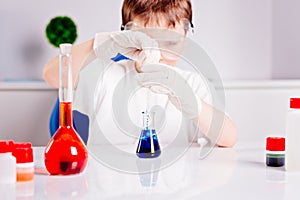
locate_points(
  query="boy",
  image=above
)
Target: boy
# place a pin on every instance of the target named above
(175, 15)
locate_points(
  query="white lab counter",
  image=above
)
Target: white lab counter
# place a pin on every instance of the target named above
(225, 174)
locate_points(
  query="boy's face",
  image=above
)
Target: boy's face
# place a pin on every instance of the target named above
(170, 39)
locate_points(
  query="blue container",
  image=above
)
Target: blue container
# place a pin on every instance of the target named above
(148, 146)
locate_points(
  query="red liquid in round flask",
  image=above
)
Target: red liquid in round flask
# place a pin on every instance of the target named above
(65, 153)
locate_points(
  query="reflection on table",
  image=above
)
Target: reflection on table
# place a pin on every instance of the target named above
(188, 176)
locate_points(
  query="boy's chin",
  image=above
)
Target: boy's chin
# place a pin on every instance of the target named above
(168, 62)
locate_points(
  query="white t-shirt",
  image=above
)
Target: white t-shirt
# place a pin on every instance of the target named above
(109, 95)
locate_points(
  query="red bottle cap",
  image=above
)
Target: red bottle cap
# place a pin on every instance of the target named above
(23, 152)
(275, 144)
(6, 146)
(294, 102)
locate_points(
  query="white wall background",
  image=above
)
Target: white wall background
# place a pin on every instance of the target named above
(286, 39)
(237, 36)
(24, 48)
(247, 39)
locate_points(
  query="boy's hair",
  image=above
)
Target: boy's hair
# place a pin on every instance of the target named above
(171, 10)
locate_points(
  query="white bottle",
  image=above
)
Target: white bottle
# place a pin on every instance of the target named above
(293, 136)
(7, 162)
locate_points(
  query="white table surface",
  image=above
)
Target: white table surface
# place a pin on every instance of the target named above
(238, 173)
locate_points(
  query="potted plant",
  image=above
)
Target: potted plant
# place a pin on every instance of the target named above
(61, 29)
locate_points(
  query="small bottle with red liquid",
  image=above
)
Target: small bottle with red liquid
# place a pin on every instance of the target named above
(65, 154)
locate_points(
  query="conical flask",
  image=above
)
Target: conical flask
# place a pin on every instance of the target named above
(65, 153)
(148, 146)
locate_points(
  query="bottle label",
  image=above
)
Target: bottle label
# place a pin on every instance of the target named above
(25, 167)
(275, 154)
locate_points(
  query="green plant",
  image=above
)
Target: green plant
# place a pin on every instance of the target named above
(61, 29)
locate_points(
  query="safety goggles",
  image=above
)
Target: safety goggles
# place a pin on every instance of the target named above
(170, 40)
(184, 23)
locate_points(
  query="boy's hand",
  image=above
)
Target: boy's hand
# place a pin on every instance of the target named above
(163, 79)
(134, 45)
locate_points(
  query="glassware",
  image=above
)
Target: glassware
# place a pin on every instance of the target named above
(148, 146)
(65, 153)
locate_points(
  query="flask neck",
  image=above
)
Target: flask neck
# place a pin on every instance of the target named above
(65, 114)
(65, 74)
(148, 120)
(65, 85)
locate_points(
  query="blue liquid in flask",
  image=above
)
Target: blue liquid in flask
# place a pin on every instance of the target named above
(148, 146)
